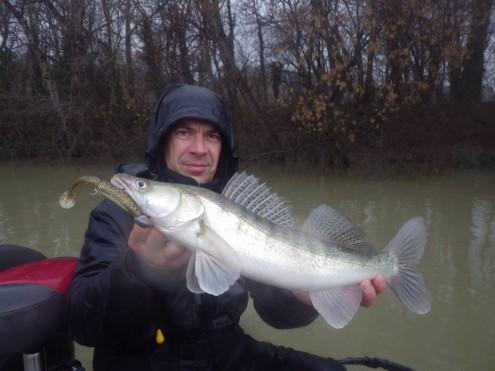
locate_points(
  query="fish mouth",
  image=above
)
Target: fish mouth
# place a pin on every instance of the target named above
(118, 181)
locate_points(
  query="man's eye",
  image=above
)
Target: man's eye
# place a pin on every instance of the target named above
(182, 132)
(215, 137)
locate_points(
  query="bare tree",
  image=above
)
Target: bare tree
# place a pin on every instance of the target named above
(332, 69)
(466, 82)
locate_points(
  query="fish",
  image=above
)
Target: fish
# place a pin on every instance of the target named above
(67, 199)
(248, 231)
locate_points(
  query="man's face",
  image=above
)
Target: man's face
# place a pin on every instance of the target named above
(192, 149)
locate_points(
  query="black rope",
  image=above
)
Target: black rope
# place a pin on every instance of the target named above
(374, 362)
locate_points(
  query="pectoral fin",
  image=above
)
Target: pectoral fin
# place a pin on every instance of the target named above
(214, 267)
(191, 279)
(213, 276)
(338, 305)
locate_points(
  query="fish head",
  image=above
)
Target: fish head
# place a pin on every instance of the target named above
(156, 199)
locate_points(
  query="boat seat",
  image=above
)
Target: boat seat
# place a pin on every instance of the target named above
(32, 300)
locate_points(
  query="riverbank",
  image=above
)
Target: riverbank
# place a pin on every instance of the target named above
(431, 140)
(441, 138)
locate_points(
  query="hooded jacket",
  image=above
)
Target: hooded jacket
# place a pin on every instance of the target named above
(116, 303)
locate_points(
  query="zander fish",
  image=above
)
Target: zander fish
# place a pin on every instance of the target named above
(248, 230)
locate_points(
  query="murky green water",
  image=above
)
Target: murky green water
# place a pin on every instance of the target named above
(459, 264)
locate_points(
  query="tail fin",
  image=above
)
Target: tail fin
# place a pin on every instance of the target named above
(407, 248)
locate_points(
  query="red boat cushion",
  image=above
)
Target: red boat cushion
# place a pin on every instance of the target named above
(32, 299)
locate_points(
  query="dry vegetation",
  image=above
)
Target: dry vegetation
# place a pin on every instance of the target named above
(334, 82)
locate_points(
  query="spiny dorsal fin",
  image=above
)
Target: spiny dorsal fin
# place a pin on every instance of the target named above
(246, 190)
(329, 225)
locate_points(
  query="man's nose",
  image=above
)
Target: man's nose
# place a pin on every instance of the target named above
(198, 144)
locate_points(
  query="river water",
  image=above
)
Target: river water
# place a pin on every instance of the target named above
(458, 265)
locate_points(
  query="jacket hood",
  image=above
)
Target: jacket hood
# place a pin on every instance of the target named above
(179, 102)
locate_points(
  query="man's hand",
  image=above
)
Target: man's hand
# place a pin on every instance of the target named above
(371, 288)
(154, 248)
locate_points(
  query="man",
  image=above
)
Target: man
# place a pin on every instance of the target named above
(130, 289)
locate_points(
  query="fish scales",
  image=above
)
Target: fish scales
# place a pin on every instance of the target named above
(297, 257)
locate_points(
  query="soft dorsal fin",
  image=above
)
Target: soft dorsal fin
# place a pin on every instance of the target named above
(247, 191)
(329, 225)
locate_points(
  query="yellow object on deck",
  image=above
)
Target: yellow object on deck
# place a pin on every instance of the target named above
(159, 337)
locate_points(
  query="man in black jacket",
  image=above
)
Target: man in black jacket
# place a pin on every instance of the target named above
(130, 289)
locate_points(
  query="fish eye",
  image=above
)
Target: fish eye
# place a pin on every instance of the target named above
(141, 184)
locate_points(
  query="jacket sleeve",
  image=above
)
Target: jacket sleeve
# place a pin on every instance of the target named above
(108, 302)
(280, 308)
